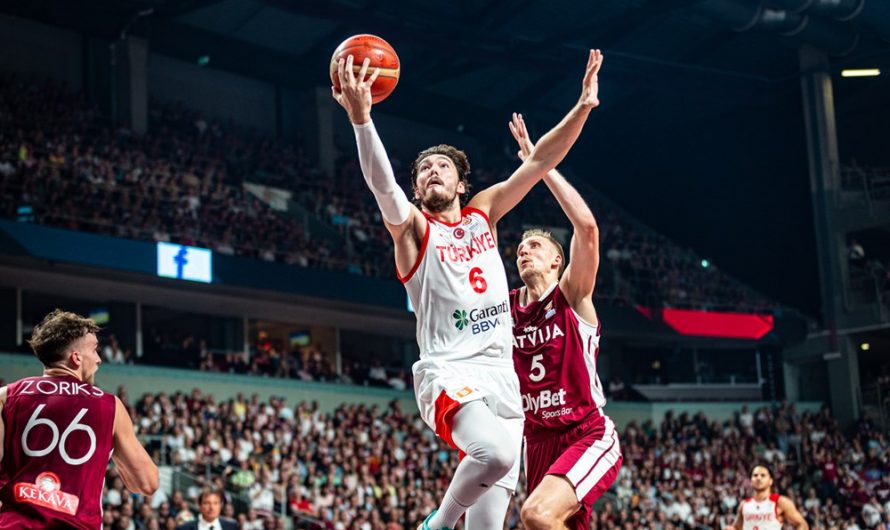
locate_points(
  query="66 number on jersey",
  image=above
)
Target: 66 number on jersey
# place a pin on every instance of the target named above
(58, 441)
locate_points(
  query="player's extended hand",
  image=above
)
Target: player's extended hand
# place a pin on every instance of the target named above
(355, 91)
(520, 133)
(590, 85)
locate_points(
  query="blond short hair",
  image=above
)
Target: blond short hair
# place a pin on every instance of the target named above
(539, 232)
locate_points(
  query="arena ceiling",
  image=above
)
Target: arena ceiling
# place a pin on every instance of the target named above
(481, 59)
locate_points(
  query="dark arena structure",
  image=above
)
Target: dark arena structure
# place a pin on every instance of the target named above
(178, 172)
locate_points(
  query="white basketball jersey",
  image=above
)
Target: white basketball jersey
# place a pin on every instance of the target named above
(458, 288)
(762, 515)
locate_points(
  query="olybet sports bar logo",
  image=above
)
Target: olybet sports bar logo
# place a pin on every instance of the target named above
(460, 318)
(45, 492)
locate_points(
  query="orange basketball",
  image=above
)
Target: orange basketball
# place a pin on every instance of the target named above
(381, 55)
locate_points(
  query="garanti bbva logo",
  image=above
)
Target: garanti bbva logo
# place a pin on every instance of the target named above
(480, 320)
(460, 318)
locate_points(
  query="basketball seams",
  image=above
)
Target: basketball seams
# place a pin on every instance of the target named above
(382, 56)
(386, 58)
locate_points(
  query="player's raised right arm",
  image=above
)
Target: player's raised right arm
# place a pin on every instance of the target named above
(500, 198)
(355, 98)
(138, 471)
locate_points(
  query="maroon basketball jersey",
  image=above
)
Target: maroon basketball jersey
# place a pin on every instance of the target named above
(554, 352)
(58, 439)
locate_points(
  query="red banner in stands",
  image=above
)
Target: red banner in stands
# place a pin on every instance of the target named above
(718, 323)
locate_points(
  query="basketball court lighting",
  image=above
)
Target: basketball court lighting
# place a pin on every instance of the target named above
(861, 72)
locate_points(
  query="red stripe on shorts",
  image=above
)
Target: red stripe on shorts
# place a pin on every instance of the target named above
(446, 408)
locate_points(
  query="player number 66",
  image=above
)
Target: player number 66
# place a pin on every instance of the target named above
(75, 425)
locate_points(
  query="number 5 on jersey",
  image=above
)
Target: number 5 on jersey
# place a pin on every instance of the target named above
(477, 281)
(537, 370)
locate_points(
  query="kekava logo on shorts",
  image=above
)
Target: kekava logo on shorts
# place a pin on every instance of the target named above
(46, 492)
(482, 320)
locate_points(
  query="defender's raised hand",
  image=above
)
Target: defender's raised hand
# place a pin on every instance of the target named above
(520, 133)
(590, 85)
(355, 91)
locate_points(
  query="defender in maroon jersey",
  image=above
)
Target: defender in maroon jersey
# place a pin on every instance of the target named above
(58, 433)
(572, 449)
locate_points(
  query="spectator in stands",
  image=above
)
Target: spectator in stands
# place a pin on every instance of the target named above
(262, 496)
(360, 465)
(112, 351)
(377, 374)
(210, 506)
(855, 253)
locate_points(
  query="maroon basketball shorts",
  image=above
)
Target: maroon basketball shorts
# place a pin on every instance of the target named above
(588, 455)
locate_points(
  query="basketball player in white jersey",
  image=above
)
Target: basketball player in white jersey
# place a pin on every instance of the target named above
(448, 259)
(572, 451)
(767, 510)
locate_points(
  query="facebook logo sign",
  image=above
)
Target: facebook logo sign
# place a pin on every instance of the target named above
(185, 263)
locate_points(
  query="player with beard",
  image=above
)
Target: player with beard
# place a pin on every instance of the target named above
(572, 453)
(447, 257)
(58, 434)
(767, 510)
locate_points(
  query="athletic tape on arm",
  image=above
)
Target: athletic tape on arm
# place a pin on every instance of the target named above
(391, 199)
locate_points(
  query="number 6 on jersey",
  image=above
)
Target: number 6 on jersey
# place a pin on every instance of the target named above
(477, 281)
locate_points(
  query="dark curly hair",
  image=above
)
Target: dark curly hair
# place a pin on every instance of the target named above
(461, 163)
(52, 337)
